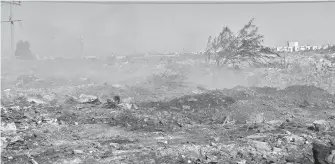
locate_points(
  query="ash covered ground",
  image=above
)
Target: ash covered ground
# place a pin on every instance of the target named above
(176, 110)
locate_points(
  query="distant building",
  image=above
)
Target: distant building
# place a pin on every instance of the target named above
(292, 44)
(302, 48)
(325, 46)
(286, 48)
(294, 47)
(290, 49)
(279, 49)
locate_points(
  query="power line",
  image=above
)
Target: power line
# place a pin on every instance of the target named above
(11, 21)
(12, 2)
(192, 2)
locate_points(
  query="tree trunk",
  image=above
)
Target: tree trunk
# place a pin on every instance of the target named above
(218, 63)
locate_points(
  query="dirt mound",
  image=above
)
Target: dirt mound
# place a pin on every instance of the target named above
(299, 94)
(211, 99)
(244, 111)
(195, 128)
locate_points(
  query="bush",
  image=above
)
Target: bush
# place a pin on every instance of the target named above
(168, 79)
(23, 50)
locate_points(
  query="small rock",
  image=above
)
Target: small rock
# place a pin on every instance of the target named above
(276, 150)
(3, 143)
(331, 158)
(321, 125)
(126, 106)
(49, 97)
(304, 104)
(212, 144)
(70, 100)
(288, 132)
(321, 152)
(216, 139)
(331, 116)
(292, 148)
(75, 123)
(145, 119)
(197, 91)
(115, 145)
(116, 85)
(9, 128)
(276, 123)
(134, 106)
(255, 136)
(310, 126)
(290, 158)
(35, 100)
(128, 100)
(262, 146)
(243, 161)
(15, 108)
(33, 161)
(192, 99)
(48, 120)
(186, 107)
(78, 152)
(88, 99)
(296, 139)
(174, 108)
(16, 138)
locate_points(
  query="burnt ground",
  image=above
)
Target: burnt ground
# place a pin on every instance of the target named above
(238, 125)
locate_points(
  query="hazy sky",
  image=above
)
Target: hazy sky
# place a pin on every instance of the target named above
(55, 28)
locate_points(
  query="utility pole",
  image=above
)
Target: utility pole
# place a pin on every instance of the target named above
(82, 45)
(11, 21)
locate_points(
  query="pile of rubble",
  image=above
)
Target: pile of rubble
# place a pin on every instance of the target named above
(239, 125)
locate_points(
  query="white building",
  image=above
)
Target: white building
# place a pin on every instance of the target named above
(302, 48)
(325, 46)
(308, 47)
(292, 44)
(279, 49)
(290, 49)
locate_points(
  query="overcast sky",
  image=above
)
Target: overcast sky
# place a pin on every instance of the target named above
(55, 28)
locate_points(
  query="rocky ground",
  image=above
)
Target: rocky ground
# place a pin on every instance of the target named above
(60, 118)
(239, 125)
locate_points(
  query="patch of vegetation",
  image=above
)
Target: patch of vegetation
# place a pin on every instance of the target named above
(23, 51)
(244, 46)
(169, 79)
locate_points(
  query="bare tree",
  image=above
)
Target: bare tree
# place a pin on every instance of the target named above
(208, 50)
(244, 46)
